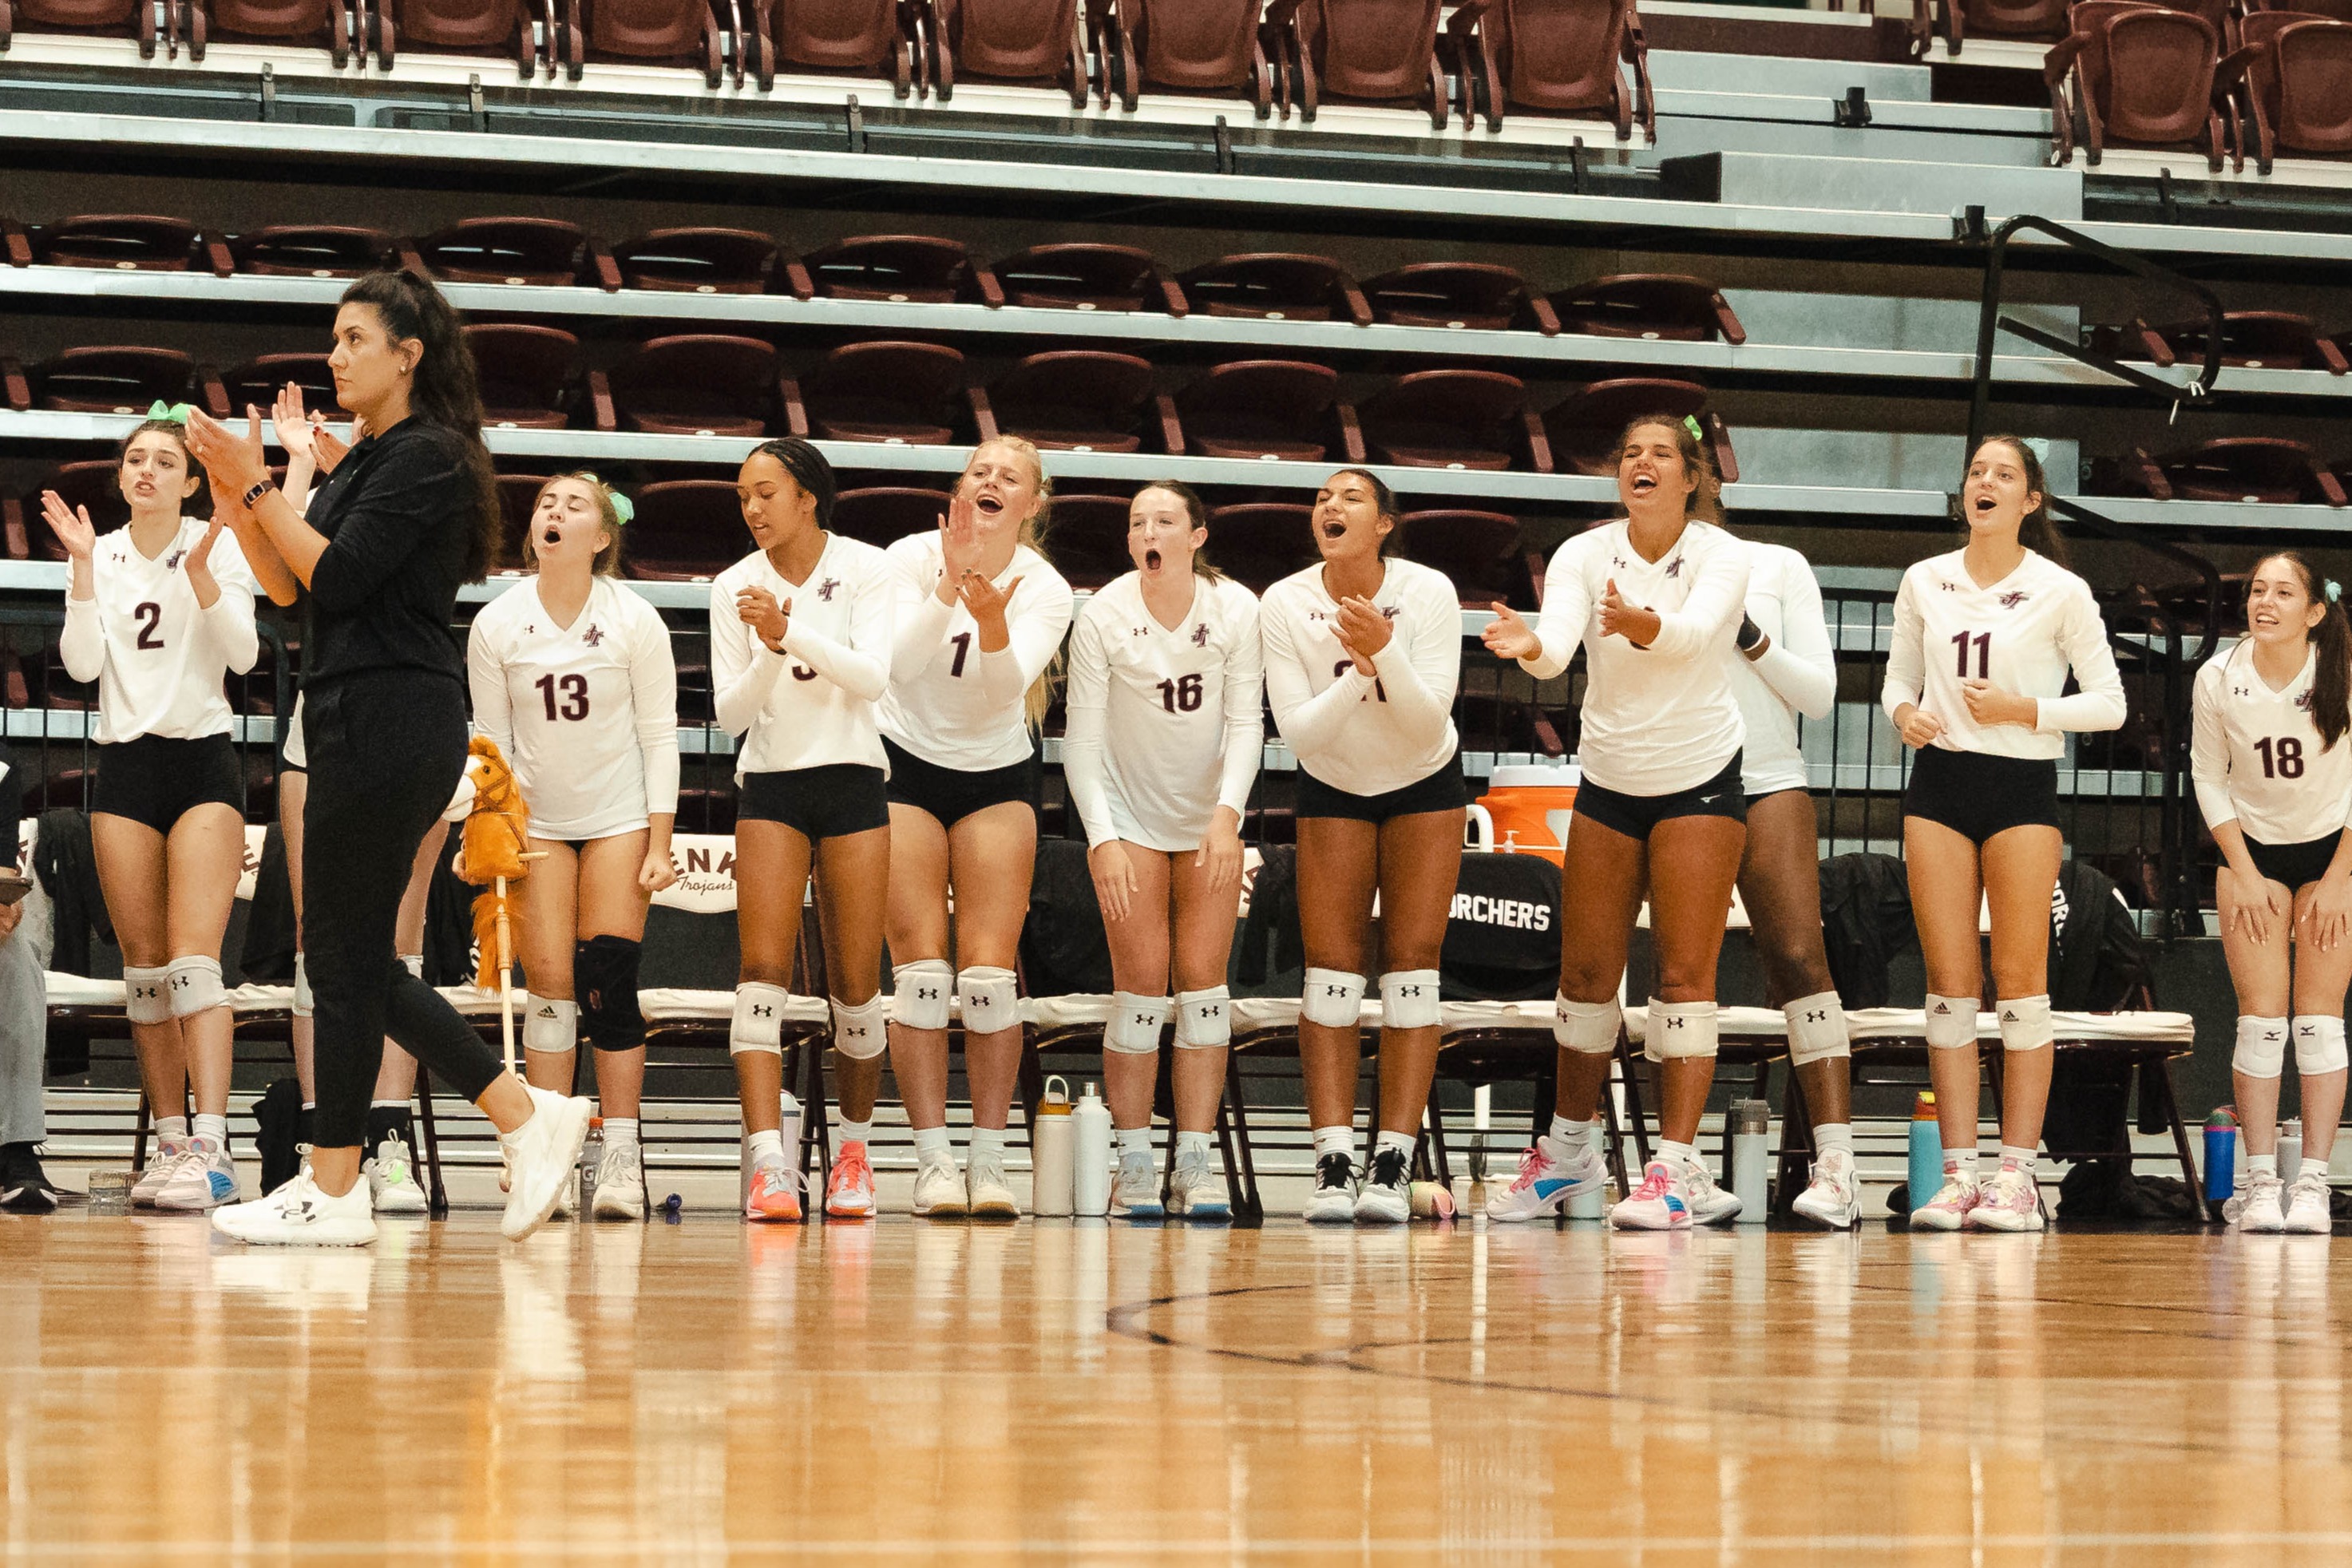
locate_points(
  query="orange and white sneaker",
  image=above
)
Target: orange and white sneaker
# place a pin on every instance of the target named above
(849, 1191)
(775, 1192)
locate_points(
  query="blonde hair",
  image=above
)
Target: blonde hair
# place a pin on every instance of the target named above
(1039, 698)
(608, 560)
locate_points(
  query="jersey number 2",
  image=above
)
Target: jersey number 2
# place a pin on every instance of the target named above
(574, 699)
(2281, 758)
(1181, 695)
(1983, 641)
(149, 617)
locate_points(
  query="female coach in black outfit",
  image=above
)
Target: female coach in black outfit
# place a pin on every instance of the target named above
(407, 514)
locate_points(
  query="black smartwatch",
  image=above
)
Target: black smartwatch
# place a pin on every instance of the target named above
(262, 488)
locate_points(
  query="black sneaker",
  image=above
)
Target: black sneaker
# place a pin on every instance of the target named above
(1334, 1202)
(1387, 1197)
(23, 1186)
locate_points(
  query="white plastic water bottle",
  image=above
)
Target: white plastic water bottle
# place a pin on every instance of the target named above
(788, 1129)
(1751, 1137)
(1594, 1203)
(1052, 1168)
(2290, 1149)
(1090, 1155)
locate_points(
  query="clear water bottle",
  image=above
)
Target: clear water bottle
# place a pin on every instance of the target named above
(2290, 1148)
(1751, 1138)
(591, 1160)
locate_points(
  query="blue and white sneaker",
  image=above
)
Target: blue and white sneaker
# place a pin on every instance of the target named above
(1660, 1203)
(1135, 1193)
(1550, 1173)
(205, 1178)
(1196, 1191)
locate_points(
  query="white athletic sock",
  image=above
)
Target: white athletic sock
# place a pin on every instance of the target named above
(1401, 1142)
(2261, 1164)
(931, 1140)
(387, 1105)
(1334, 1140)
(620, 1131)
(1833, 1137)
(767, 1146)
(1567, 1134)
(213, 1129)
(1135, 1140)
(1678, 1155)
(1959, 1162)
(856, 1131)
(988, 1143)
(1206, 1142)
(2314, 1167)
(2017, 1159)
(171, 1130)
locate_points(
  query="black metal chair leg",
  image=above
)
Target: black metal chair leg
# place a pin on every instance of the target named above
(436, 1195)
(1797, 1147)
(1236, 1141)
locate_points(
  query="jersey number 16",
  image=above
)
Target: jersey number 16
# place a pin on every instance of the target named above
(1181, 695)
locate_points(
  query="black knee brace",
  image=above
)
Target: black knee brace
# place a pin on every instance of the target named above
(605, 979)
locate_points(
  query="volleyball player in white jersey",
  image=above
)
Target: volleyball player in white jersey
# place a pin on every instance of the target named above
(980, 617)
(156, 612)
(572, 679)
(1166, 728)
(800, 652)
(1655, 600)
(1984, 637)
(1363, 654)
(2273, 776)
(1785, 666)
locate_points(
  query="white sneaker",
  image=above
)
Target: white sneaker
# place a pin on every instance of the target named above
(1333, 1201)
(300, 1215)
(1135, 1191)
(2013, 1201)
(1834, 1199)
(1658, 1203)
(2307, 1208)
(567, 1197)
(1386, 1196)
(543, 1159)
(205, 1178)
(2265, 1210)
(1709, 1204)
(939, 1187)
(1954, 1201)
(1550, 1173)
(160, 1171)
(392, 1185)
(620, 1182)
(1196, 1190)
(991, 1194)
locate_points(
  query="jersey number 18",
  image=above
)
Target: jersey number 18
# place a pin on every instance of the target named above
(2281, 758)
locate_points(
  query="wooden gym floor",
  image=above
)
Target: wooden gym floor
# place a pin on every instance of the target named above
(700, 1390)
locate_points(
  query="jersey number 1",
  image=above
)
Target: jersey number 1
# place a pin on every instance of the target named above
(1984, 654)
(574, 703)
(2281, 758)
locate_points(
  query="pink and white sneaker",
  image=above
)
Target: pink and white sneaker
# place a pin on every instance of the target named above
(2012, 1200)
(1953, 1203)
(1660, 1203)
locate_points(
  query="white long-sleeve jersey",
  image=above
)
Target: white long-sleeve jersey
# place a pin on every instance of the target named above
(1797, 674)
(2023, 634)
(1365, 734)
(158, 656)
(587, 714)
(1660, 719)
(813, 705)
(2256, 757)
(951, 702)
(1165, 724)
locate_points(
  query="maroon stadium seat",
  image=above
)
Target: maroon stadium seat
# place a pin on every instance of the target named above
(2251, 340)
(1081, 400)
(711, 261)
(2180, 85)
(539, 251)
(900, 267)
(1258, 543)
(1086, 277)
(1585, 425)
(518, 493)
(312, 250)
(1009, 40)
(881, 514)
(898, 393)
(1651, 306)
(702, 385)
(684, 531)
(527, 373)
(642, 32)
(1286, 409)
(2298, 84)
(1477, 550)
(257, 383)
(1189, 46)
(2263, 469)
(112, 379)
(1277, 288)
(93, 486)
(866, 37)
(2033, 21)
(1368, 51)
(1459, 294)
(1455, 419)
(501, 27)
(105, 19)
(322, 22)
(122, 242)
(1555, 57)
(1090, 539)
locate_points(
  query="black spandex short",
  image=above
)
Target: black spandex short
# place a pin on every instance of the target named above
(1638, 815)
(1441, 790)
(2295, 863)
(830, 801)
(952, 793)
(157, 781)
(1977, 795)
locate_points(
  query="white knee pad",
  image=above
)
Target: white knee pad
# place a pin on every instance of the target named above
(1952, 1022)
(1679, 1031)
(1133, 1028)
(552, 1026)
(303, 998)
(1816, 1028)
(194, 985)
(1202, 1022)
(989, 999)
(1331, 997)
(2318, 1043)
(1589, 1028)
(2024, 1023)
(858, 1032)
(2262, 1046)
(414, 962)
(147, 995)
(920, 992)
(758, 1021)
(1409, 999)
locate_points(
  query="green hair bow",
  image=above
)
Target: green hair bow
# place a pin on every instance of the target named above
(173, 412)
(623, 507)
(1691, 425)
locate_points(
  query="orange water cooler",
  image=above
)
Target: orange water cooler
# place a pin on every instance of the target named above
(1528, 805)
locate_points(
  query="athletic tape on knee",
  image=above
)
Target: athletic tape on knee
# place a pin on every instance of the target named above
(1203, 1019)
(1816, 1028)
(414, 962)
(758, 1021)
(1679, 1031)
(1134, 1022)
(1331, 997)
(147, 995)
(194, 985)
(604, 978)
(1409, 999)
(2262, 1046)
(302, 997)
(859, 1032)
(2318, 1043)
(1952, 1022)
(989, 1000)
(552, 1026)
(2024, 1023)
(920, 992)
(1589, 1028)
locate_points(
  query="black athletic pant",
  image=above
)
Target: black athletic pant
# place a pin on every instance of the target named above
(386, 749)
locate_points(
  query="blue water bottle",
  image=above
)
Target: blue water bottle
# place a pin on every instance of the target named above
(2221, 1154)
(1927, 1176)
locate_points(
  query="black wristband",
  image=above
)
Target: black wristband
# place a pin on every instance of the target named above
(262, 488)
(1750, 635)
